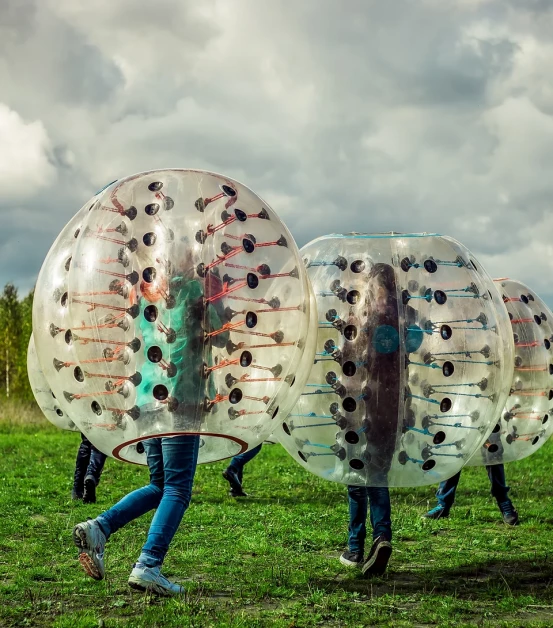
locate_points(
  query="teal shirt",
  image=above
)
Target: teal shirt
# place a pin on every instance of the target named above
(188, 352)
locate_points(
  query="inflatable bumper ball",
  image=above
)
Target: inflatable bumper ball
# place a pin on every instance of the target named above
(184, 310)
(411, 360)
(526, 421)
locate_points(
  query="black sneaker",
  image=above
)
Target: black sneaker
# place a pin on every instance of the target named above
(351, 559)
(89, 495)
(378, 558)
(236, 489)
(76, 495)
(509, 512)
(439, 512)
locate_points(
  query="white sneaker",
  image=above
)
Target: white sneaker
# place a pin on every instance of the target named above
(150, 579)
(91, 541)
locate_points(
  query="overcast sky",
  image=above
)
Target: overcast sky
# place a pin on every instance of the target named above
(364, 115)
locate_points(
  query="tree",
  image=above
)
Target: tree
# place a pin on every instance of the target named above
(23, 388)
(10, 338)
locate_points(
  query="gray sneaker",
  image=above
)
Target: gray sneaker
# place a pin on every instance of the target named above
(91, 542)
(151, 579)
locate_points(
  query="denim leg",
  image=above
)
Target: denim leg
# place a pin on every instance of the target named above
(499, 488)
(96, 464)
(81, 464)
(180, 457)
(238, 462)
(381, 511)
(142, 500)
(357, 529)
(446, 491)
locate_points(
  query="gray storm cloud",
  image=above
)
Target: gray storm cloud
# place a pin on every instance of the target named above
(369, 116)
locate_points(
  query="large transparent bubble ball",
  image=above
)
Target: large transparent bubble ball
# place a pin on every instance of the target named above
(186, 312)
(410, 361)
(526, 421)
(43, 394)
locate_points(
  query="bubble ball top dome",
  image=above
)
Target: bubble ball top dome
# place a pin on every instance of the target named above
(526, 421)
(411, 360)
(174, 302)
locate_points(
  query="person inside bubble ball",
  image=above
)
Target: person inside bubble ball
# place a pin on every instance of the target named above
(378, 347)
(171, 460)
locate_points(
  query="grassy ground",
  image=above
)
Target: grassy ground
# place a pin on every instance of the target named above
(272, 559)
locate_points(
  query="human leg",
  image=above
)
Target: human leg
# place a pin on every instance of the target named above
(381, 522)
(446, 497)
(93, 473)
(91, 536)
(81, 464)
(380, 512)
(142, 500)
(180, 457)
(357, 529)
(234, 472)
(500, 490)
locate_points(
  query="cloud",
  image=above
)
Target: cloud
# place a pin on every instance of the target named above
(428, 116)
(25, 156)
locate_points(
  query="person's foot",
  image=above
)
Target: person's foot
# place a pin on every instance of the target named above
(378, 558)
(232, 478)
(439, 512)
(91, 541)
(150, 579)
(509, 512)
(76, 495)
(351, 559)
(89, 495)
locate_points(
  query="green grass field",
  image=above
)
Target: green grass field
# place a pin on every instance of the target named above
(271, 559)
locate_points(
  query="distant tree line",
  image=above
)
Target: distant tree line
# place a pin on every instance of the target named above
(16, 326)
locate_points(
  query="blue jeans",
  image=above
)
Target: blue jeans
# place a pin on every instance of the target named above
(499, 489)
(238, 462)
(381, 517)
(90, 462)
(172, 463)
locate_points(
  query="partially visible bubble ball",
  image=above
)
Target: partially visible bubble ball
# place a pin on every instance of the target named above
(523, 423)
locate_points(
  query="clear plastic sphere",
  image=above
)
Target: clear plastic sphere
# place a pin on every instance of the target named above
(526, 421)
(51, 326)
(43, 394)
(188, 311)
(410, 362)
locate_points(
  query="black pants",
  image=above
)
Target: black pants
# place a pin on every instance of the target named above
(89, 463)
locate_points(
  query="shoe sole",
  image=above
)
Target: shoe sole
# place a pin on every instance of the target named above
(376, 566)
(89, 566)
(349, 563)
(86, 561)
(151, 587)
